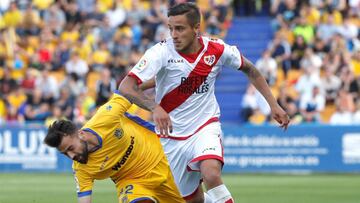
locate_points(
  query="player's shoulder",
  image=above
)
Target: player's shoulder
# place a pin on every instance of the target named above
(165, 43)
(213, 40)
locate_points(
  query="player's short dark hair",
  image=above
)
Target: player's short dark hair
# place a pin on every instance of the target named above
(190, 9)
(57, 131)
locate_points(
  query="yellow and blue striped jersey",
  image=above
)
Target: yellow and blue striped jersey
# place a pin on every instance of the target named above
(126, 150)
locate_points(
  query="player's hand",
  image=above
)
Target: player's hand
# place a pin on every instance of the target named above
(162, 121)
(280, 116)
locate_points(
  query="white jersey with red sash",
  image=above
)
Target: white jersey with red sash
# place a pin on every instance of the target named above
(185, 84)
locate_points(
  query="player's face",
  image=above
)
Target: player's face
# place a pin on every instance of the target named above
(182, 32)
(74, 148)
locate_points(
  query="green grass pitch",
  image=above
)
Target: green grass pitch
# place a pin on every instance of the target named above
(60, 188)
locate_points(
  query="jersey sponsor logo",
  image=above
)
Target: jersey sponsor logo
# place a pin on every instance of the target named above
(187, 85)
(209, 149)
(123, 160)
(119, 133)
(210, 59)
(176, 61)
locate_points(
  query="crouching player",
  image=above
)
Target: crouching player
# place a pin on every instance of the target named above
(110, 145)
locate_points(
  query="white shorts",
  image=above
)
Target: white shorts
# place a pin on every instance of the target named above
(184, 156)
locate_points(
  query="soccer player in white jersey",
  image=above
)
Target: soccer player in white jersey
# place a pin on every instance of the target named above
(185, 110)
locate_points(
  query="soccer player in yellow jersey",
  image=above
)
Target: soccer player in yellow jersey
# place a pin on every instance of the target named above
(112, 145)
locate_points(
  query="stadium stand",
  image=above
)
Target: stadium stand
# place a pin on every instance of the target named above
(75, 40)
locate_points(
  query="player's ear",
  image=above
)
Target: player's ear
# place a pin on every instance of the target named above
(81, 134)
(197, 28)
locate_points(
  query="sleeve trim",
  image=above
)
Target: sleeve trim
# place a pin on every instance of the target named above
(85, 193)
(242, 62)
(138, 80)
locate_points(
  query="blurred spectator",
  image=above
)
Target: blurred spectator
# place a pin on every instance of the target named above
(4, 5)
(72, 13)
(311, 105)
(297, 51)
(280, 50)
(331, 84)
(86, 7)
(42, 5)
(356, 115)
(213, 26)
(345, 100)
(47, 85)
(253, 103)
(305, 30)
(267, 67)
(7, 83)
(36, 108)
(100, 57)
(61, 56)
(327, 30)
(30, 24)
(28, 82)
(307, 82)
(77, 65)
(349, 32)
(341, 116)
(66, 102)
(105, 87)
(54, 18)
(56, 114)
(294, 113)
(355, 88)
(311, 60)
(13, 16)
(137, 12)
(116, 15)
(73, 84)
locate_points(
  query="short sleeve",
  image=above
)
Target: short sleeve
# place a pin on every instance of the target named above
(110, 113)
(150, 63)
(84, 183)
(232, 57)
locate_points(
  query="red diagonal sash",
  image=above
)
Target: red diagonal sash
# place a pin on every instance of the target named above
(176, 97)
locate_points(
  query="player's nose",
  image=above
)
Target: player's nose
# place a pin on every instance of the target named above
(71, 155)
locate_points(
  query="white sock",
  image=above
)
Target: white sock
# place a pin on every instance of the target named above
(220, 194)
(207, 198)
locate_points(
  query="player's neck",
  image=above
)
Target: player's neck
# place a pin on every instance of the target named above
(92, 141)
(194, 47)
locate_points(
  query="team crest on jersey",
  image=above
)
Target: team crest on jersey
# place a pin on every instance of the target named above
(108, 108)
(209, 60)
(119, 133)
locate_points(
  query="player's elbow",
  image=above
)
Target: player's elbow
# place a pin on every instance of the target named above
(127, 85)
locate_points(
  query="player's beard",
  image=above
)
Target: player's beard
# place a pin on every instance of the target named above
(83, 157)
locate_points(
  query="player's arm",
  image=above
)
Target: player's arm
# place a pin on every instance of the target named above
(84, 184)
(86, 199)
(261, 85)
(147, 85)
(130, 89)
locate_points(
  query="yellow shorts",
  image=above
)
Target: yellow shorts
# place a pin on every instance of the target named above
(158, 185)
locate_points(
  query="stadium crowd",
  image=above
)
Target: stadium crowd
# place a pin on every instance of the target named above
(312, 62)
(64, 58)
